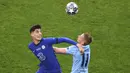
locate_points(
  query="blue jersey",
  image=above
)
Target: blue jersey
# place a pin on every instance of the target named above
(45, 53)
(80, 62)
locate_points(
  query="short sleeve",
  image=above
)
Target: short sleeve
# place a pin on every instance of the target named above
(71, 50)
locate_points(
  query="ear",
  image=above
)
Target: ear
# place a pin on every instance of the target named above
(31, 34)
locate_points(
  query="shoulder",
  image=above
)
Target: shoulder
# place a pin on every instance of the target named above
(73, 47)
(71, 50)
(30, 44)
(49, 38)
(87, 48)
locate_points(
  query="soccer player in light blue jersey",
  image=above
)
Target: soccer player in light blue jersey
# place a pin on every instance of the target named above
(80, 61)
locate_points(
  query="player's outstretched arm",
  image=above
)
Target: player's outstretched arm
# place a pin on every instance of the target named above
(60, 50)
(69, 50)
(67, 40)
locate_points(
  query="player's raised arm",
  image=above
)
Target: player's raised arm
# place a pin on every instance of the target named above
(61, 40)
(66, 40)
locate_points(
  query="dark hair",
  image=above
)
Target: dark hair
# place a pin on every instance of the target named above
(34, 27)
(88, 38)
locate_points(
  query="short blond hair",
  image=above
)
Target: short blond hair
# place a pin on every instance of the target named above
(88, 38)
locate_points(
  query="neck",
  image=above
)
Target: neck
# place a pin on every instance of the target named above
(36, 42)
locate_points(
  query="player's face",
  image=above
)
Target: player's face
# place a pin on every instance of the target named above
(80, 39)
(37, 34)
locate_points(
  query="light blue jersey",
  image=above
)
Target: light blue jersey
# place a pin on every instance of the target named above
(80, 62)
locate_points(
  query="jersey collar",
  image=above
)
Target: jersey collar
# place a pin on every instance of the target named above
(38, 43)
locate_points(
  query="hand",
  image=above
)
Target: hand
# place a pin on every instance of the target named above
(81, 49)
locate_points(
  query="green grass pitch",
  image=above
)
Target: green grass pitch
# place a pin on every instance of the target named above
(107, 20)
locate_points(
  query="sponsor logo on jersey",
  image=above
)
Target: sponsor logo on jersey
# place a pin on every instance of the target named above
(38, 49)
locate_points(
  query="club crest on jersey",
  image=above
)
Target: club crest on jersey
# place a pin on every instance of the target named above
(43, 47)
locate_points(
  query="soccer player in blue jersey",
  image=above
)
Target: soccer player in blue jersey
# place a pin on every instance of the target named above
(80, 61)
(43, 50)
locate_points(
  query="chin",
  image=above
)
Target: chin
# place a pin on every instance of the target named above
(39, 39)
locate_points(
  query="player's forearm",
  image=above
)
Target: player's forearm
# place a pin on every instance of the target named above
(60, 50)
(67, 40)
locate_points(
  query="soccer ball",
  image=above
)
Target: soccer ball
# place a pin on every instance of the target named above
(71, 8)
